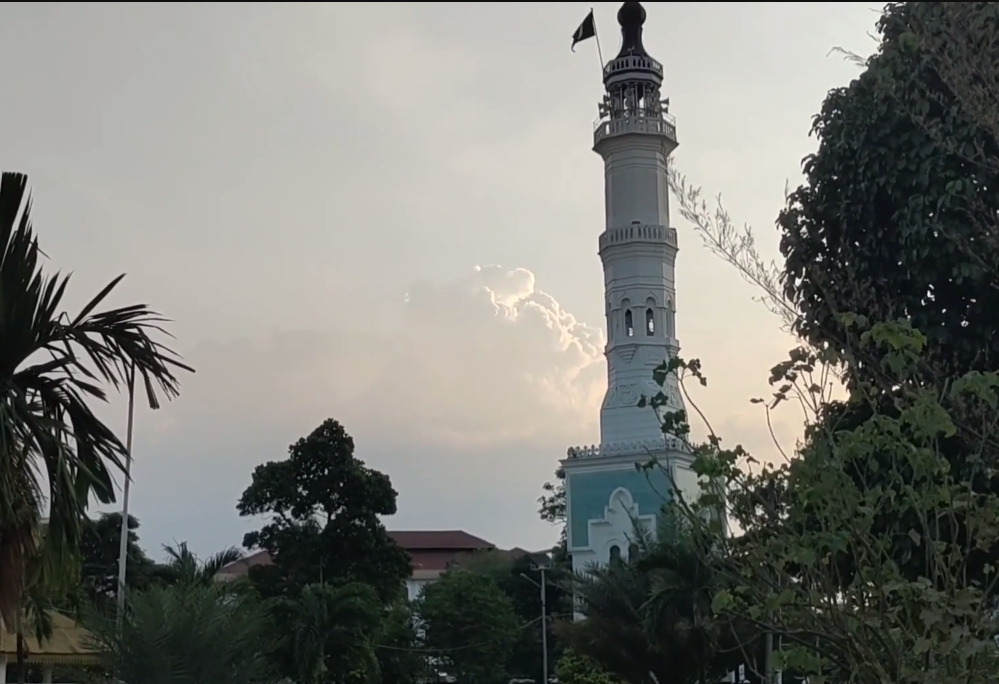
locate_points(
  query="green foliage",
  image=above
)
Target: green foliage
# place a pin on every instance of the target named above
(184, 568)
(896, 221)
(885, 225)
(552, 502)
(53, 366)
(99, 552)
(330, 632)
(518, 578)
(193, 634)
(398, 660)
(574, 668)
(470, 624)
(324, 507)
(801, 520)
(653, 614)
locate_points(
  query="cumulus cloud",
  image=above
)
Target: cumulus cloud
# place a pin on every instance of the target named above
(467, 391)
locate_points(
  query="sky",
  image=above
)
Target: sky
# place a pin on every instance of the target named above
(387, 214)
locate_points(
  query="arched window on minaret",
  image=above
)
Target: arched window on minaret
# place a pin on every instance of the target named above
(650, 323)
(629, 324)
(615, 554)
(668, 327)
(633, 552)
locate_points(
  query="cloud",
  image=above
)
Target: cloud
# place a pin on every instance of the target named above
(464, 392)
(486, 359)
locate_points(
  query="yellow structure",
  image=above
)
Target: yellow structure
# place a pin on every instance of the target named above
(69, 645)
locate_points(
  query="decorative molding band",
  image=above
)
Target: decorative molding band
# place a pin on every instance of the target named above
(668, 443)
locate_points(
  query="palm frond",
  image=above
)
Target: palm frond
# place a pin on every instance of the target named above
(331, 629)
(53, 365)
(195, 634)
(210, 567)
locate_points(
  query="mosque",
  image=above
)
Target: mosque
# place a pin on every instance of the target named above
(634, 135)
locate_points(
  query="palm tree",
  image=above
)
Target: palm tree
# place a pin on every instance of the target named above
(52, 365)
(185, 568)
(197, 634)
(684, 578)
(614, 632)
(650, 618)
(330, 633)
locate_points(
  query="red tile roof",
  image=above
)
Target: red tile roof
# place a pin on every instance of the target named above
(450, 540)
(429, 549)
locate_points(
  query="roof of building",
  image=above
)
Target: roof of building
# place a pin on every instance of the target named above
(69, 644)
(241, 567)
(430, 550)
(444, 540)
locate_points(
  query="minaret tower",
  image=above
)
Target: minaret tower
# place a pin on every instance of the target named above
(634, 135)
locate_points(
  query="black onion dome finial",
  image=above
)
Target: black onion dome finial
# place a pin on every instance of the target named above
(631, 16)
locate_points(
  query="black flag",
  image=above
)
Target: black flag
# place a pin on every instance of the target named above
(587, 29)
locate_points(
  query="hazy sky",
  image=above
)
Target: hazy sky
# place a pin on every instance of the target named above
(387, 213)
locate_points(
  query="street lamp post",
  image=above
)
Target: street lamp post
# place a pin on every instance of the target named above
(544, 622)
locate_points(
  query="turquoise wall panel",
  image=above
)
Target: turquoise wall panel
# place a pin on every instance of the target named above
(589, 494)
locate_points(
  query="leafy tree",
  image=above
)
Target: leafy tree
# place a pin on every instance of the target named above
(330, 632)
(471, 625)
(882, 224)
(398, 659)
(896, 220)
(958, 45)
(99, 551)
(53, 364)
(574, 668)
(784, 570)
(324, 506)
(651, 618)
(552, 502)
(198, 634)
(518, 578)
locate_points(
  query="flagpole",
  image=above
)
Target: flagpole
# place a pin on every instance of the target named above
(123, 543)
(596, 35)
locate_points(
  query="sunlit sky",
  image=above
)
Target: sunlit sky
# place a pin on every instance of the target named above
(387, 213)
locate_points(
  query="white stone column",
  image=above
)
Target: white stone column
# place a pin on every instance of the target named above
(47, 673)
(3, 667)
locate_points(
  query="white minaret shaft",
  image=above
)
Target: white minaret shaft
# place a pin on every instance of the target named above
(635, 137)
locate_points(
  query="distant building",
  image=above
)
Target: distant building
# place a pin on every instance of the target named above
(69, 645)
(432, 551)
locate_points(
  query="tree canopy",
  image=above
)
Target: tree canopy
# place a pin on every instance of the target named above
(99, 550)
(324, 507)
(329, 633)
(884, 225)
(575, 668)
(896, 221)
(470, 625)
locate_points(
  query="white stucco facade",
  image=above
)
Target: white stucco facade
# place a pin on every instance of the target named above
(635, 135)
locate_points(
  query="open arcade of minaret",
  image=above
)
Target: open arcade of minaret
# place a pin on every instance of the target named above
(635, 135)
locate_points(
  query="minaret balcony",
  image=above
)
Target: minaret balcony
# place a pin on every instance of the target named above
(638, 232)
(663, 126)
(627, 66)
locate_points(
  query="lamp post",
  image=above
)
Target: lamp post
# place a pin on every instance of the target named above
(544, 622)
(123, 542)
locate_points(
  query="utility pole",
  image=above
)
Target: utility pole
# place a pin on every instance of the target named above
(544, 621)
(123, 542)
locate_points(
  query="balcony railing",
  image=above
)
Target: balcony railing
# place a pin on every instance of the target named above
(648, 125)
